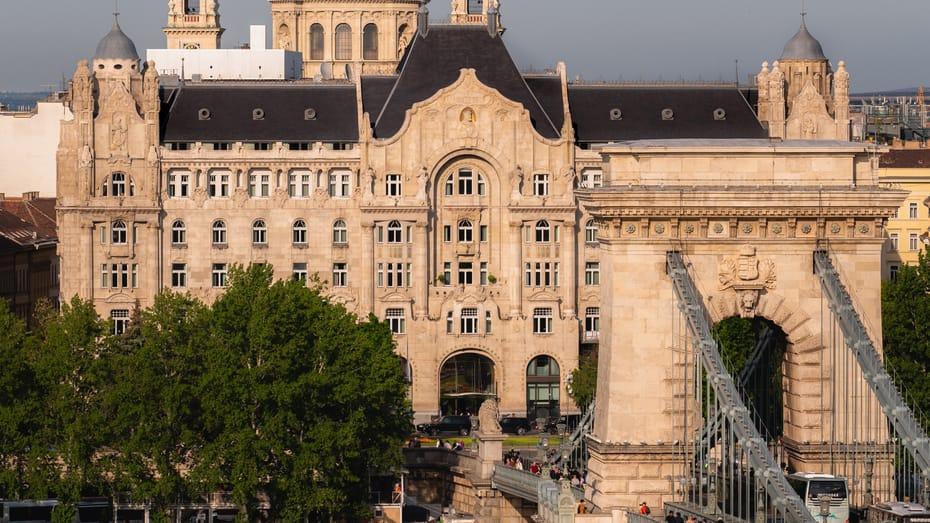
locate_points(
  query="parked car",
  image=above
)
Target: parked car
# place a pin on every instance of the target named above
(460, 425)
(515, 425)
(552, 424)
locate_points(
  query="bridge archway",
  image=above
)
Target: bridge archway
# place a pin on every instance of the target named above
(466, 380)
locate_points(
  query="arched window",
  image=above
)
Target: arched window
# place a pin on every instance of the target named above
(317, 42)
(300, 232)
(542, 232)
(118, 232)
(395, 233)
(219, 232)
(465, 231)
(590, 232)
(117, 185)
(343, 42)
(178, 233)
(542, 388)
(259, 232)
(370, 42)
(340, 233)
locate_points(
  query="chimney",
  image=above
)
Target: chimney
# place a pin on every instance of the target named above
(257, 41)
(30, 196)
(423, 20)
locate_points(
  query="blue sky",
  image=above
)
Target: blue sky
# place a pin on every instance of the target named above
(884, 43)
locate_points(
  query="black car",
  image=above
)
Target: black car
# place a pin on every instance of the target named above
(460, 425)
(514, 425)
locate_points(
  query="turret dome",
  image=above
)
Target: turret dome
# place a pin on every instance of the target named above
(116, 46)
(803, 46)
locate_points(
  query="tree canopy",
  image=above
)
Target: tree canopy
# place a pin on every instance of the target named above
(273, 393)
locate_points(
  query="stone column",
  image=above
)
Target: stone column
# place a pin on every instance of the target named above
(87, 240)
(490, 452)
(568, 260)
(421, 270)
(153, 251)
(367, 282)
(516, 280)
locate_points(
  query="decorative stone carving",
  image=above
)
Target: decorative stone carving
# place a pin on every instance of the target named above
(630, 229)
(150, 99)
(422, 187)
(82, 96)
(284, 37)
(689, 229)
(747, 228)
(864, 229)
(718, 228)
(835, 228)
(87, 157)
(748, 276)
(488, 415)
(119, 134)
(152, 157)
(368, 180)
(809, 119)
(660, 229)
(777, 228)
(516, 185)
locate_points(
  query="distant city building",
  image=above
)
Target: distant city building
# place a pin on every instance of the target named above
(908, 233)
(897, 119)
(28, 258)
(28, 144)
(254, 62)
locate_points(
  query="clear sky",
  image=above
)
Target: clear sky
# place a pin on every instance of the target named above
(883, 42)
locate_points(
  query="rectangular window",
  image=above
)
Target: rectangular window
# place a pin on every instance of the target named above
(178, 275)
(450, 323)
(300, 272)
(487, 322)
(591, 178)
(914, 242)
(340, 184)
(893, 242)
(340, 275)
(483, 234)
(219, 186)
(447, 233)
(466, 181)
(447, 273)
(396, 321)
(484, 273)
(178, 185)
(259, 185)
(893, 272)
(299, 185)
(469, 321)
(542, 320)
(220, 275)
(119, 276)
(540, 184)
(393, 185)
(912, 211)
(541, 274)
(592, 273)
(120, 319)
(380, 275)
(103, 234)
(592, 322)
(466, 275)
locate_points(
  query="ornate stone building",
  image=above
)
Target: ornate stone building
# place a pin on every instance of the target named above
(440, 196)
(193, 24)
(367, 36)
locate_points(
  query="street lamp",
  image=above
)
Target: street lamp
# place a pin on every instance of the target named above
(824, 500)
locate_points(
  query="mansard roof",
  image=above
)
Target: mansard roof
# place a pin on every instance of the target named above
(596, 120)
(229, 114)
(434, 61)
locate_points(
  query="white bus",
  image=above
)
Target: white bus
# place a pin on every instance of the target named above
(812, 486)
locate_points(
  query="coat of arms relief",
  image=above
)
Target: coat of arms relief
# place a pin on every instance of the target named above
(748, 275)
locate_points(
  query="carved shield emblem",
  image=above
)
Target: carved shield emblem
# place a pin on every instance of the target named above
(748, 268)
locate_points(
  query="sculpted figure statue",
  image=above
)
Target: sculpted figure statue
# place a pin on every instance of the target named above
(516, 184)
(422, 185)
(87, 156)
(488, 415)
(368, 180)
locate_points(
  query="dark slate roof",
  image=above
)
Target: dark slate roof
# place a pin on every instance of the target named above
(548, 90)
(284, 104)
(906, 159)
(375, 91)
(641, 111)
(434, 61)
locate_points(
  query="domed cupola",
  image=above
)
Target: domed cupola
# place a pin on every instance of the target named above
(116, 51)
(803, 46)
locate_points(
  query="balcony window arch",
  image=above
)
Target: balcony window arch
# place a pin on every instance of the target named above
(178, 233)
(300, 232)
(543, 232)
(343, 42)
(219, 232)
(465, 231)
(395, 233)
(370, 42)
(119, 232)
(117, 186)
(590, 232)
(259, 232)
(340, 233)
(317, 41)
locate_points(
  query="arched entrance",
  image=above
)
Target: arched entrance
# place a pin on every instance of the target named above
(542, 388)
(465, 381)
(754, 352)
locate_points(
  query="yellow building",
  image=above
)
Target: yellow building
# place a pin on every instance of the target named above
(908, 231)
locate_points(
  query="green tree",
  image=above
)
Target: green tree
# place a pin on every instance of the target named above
(906, 329)
(584, 381)
(736, 338)
(152, 406)
(300, 400)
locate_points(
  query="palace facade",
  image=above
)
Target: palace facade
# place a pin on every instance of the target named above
(438, 192)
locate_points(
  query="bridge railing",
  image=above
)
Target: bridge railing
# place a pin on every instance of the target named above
(519, 483)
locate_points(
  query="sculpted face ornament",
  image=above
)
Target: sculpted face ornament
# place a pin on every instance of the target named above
(749, 276)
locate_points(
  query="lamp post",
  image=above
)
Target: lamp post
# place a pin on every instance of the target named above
(824, 500)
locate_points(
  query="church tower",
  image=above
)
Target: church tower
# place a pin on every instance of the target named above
(193, 24)
(340, 38)
(476, 12)
(801, 97)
